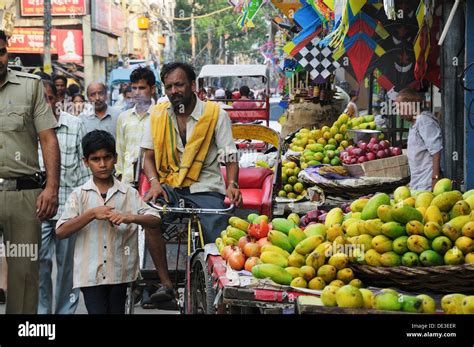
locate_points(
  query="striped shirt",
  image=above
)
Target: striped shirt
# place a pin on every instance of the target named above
(105, 253)
(70, 131)
(130, 130)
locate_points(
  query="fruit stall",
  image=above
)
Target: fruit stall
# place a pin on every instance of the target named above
(403, 252)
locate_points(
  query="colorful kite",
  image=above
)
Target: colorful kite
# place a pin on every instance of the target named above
(359, 46)
(318, 61)
(424, 16)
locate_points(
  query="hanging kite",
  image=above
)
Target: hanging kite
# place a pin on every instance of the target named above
(250, 8)
(359, 46)
(309, 21)
(397, 64)
(424, 17)
(389, 7)
(318, 61)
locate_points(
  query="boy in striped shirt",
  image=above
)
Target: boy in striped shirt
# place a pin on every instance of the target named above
(104, 213)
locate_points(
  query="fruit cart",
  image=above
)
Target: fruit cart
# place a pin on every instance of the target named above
(246, 300)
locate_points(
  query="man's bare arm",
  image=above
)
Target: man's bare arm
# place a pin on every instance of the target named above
(151, 173)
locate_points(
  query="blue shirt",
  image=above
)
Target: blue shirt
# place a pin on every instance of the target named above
(107, 123)
(424, 141)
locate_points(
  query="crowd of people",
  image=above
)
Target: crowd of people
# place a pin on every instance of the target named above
(68, 174)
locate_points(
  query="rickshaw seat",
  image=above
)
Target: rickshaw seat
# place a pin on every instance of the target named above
(143, 184)
(248, 115)
(256, 186)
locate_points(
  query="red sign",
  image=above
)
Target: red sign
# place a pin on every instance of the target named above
(30, 40)
(67, 44)
(58, 7)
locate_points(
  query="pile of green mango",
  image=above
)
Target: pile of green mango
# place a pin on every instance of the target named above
(384, 300)
(415, 228)
(390, 300)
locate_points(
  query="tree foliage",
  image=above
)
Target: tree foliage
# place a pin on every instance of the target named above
(226, 37)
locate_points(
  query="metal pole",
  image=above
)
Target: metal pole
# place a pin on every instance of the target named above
(209, 45)
(453, 100)
(469, 102)
(47, 66)
(193, 38)
(371, 91)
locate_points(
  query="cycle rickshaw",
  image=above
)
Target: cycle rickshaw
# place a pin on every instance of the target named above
(189, 265)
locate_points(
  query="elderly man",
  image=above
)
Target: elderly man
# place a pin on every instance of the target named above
(101, 116)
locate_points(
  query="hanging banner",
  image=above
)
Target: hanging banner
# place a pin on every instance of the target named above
(58, 7)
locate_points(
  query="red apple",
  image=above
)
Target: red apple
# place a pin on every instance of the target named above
(362, 145)
(396, 151)
(370, 156)
(361, 160)
(387, 153)
(373, 140)
(381, 154)
(375, 148)
(384, 144)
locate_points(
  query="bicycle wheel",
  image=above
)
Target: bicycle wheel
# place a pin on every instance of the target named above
(201, 289)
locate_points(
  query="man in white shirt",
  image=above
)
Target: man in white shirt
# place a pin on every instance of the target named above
(132, 123)
(424, 141)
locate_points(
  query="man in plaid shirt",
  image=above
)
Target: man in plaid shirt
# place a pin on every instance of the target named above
(70, 131)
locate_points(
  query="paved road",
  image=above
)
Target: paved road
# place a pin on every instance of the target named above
(81, 308)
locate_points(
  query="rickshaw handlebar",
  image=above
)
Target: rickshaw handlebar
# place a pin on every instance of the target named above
(165, 209)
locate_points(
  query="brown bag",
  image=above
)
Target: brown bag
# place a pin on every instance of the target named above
(309, 115)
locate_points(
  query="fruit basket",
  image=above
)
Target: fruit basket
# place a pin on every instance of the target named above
(438, 279)
(352, 187)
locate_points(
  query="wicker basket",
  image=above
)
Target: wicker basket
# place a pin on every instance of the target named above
(354, 192)
(437, 279)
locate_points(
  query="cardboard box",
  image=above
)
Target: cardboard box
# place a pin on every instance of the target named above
(395, 167)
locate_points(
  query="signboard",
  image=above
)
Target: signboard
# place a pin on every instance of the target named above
(107, 17)
(58, 7)
(69, 46)
(66, 43)
(101, 15)
(117, 20)
(30, 40)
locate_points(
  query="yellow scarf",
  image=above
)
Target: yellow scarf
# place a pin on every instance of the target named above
(170, 170)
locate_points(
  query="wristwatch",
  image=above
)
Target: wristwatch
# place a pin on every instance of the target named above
(435, 177)
(234, 184)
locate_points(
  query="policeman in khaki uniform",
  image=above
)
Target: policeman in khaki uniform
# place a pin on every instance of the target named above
(25, 117)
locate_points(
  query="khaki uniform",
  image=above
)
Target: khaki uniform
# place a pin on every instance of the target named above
(23, 114)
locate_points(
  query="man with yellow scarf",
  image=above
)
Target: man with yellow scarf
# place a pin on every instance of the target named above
(187, 141)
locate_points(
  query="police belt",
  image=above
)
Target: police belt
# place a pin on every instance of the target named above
(21, 183)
